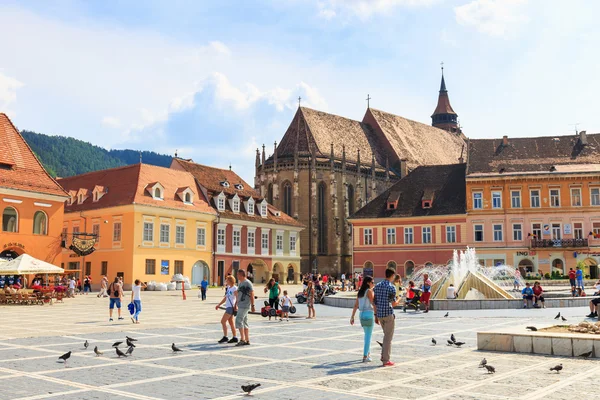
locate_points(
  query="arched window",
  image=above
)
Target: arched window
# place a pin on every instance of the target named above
(322, 218)
(188, 198)
(429, 264)
(40, 223)
(10, 220)
(392, 265)
(270, 194)
(157, 193)
(350, 199)
(287, 198)
(409, 267)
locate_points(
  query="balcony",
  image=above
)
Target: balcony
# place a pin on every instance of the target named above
(558, 243)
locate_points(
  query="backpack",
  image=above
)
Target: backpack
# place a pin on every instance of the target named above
(109, 291)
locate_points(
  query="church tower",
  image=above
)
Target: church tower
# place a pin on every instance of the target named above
(444, 116)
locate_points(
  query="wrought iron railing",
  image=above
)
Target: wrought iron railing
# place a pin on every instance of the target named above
(562, 243)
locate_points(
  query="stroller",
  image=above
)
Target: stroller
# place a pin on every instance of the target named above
(414, 300)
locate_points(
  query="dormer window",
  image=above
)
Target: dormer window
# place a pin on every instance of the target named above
(250, 206)
(157, 194)
(263, 209)
(426, 204)
(186, 195)
(98, 192)
(221, 202)
(80, 199)
(235, 204)
(239, 186)
(392, 205)
(156, 190)
(188, 198)
(225, 184)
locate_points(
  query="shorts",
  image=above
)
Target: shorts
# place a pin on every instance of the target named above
(241, 319)
(425, 297)
(116, 301)
(229, 310)
(595, 301)
(527, 297)
(285, 309)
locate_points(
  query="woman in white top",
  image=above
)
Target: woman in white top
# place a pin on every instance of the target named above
(365, 302)
(136, 299)
(230, 300)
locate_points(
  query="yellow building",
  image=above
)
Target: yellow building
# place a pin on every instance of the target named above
(148, 223)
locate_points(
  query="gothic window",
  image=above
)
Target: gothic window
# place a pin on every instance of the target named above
(322, 218)
(350, 199)
(287, 198)
(270, 194)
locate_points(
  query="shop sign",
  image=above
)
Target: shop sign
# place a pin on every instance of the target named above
(544, 261)
(14, 244)
(546, 229)
(567, 229)
(522, 254)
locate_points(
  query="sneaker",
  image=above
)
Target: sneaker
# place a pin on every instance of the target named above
(524, 306)
(426, 311)
(389, 364)
(233, 340)
(246, 343)
(224, 339)
(240, 343)
(121, 318)
(110, 320)
(591, 315)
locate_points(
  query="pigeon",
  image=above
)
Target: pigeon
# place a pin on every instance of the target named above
(379, 343)
(433, 341)
(458, 344)
(249, 388)
(483, 363)
(120, 353)
(450, 342)
(130, 343)
(557, 316)
(557, 368)
(116, 344)
(563, 318)
(532, 328)
(452, 338)
(586, 355)
(446, 316)
(98, 352)
(129, 350)
(86, 344)
(490, 369)
(175, 348)
(131, 339)
(65, 357)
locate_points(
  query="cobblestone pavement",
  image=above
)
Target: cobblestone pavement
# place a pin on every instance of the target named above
(299, 359)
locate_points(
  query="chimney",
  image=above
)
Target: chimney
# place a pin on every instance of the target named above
(583, 138)
(504, 140)
(403, 167)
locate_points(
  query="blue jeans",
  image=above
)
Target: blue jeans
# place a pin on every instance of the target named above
(138, 308)
(368, 331)
(203, 291)
(580, 282)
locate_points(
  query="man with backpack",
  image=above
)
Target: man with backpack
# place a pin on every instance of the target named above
(115, 291)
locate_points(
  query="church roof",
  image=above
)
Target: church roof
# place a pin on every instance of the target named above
(443, 104)
(19, 167)
(535, 154)
(443, 185)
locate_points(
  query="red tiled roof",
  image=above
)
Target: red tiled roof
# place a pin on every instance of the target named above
(19, 167)
(127, 185)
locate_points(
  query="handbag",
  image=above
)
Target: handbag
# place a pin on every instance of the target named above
(366, 321)
(108, 291)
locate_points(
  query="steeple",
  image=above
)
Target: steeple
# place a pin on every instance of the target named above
(444, 116)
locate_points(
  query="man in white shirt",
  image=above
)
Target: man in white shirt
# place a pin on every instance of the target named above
(343, 278)
(451, 292)
(71, 290)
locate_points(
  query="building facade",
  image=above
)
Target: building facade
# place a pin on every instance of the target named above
(418, 222)
(326, 167)
(147, 223)
(250, 234)
(31, 201)
(534, 203)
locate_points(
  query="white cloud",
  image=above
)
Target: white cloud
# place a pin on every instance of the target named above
(111, 122)
(493, 17)
(364, 9)
(8, 92)
(220, 47)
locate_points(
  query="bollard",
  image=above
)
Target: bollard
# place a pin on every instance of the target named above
(183, 289)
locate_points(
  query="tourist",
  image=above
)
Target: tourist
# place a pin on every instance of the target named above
(136, 299)
(580, 292)
(274, 292)
(517, 283)
(286, 303)
(343, 278)
(230, 305)
(87, 285)
(203, 288)
(579, 275)
(71, 287)
(103, 287)
(79, 287)
(385, 301)
(451, 292)
(597, 286)
(573, 291)
(365, 303)
(527, 293)
(572, 277)
(426, 291)
(115, 291)
(594, 308)
(245, 302)
(398, 284)
(310, 300)
(538, 295)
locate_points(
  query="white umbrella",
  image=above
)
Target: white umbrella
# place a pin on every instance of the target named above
(25, 265)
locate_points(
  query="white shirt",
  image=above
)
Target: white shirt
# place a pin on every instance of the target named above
(286, 301)
(343, 276)
(72, 284)
(230, 295)
(137, 290)
(451, 292)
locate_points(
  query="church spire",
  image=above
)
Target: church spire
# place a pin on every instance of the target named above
(444, 116)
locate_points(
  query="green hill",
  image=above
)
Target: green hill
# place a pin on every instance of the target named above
(64, 156)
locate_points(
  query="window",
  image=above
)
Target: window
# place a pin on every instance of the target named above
(478, 231)
(235, 205)
(73, 265)
(496, 199)
(10, 220)
(270, 193)
(368, 236)
(96, 231)
(200, 237)
(391, 235)
(88, 268)
(250, 206)
(578, 230)
(187, 199)
(515, 198)
(556, 232)
(76, 229)
(117, 232)
(322, 218)
(554, 198)
(595, 193)
(279, 243)
(536, 230)
(104, 268)
(40, 223)
(148, 232)
(287, 198)
(263, 210)
(158, 194)
(178, 267)
(221, 202)
(292, 244)
(150, 267)
(426, 234)
(180, 234)
(477, 200)
(265, 242)
(497, 232)
(221, 239)
(164, 233)
(237, 239)
(517, 232)
(251, 239)
(350, 199)
(576, 197)
(535, 198)
(596, 230)
(408, 236)
(451, 234)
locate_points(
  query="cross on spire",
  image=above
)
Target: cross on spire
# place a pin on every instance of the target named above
(442, 64)
(368, 101)
(299, 100)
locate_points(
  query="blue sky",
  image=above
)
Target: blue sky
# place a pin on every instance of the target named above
(216, 79)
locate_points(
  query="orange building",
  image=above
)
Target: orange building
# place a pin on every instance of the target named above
(150, 223)
(31, 201)
(535, 202)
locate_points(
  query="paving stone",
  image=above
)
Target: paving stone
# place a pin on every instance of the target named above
(24, 387)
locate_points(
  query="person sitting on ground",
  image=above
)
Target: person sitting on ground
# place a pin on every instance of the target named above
(594, 308)
(538, 295)
(527, 293)
(573, 291)
(451, 292)
(580, 292)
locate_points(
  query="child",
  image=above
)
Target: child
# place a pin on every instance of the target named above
(527, 293)
(286, 303)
